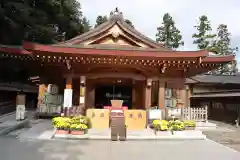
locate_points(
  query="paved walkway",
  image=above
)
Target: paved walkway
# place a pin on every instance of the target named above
(148, 134)
(13, 149)
(225, 134)
(8, 122)
(42, 129)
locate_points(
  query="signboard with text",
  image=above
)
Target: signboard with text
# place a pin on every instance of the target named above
(67, 98)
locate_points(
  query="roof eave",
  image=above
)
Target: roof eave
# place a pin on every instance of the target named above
(13, 50)
(112, 52)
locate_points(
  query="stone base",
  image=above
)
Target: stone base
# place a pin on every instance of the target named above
(70, 136)
(205, 126)
(77, 132)
(61, 132)
(141, 135)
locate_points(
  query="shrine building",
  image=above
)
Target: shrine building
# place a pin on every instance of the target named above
(114, 61)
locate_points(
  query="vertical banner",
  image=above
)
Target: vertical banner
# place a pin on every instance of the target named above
(68, 93)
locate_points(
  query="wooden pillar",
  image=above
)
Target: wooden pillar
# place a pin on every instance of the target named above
(133, 95)
(188, 95)
(148, 93)
(187, 98)
(82, 98)
(183, 96)
(161, 94)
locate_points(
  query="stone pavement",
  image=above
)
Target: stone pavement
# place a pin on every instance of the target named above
(8, 122)
(225, 134)
(13, 149)
(148, 134)
(39, 129)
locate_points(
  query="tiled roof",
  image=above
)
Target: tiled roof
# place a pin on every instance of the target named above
(220, 79)
(119, 20)
(210, 95)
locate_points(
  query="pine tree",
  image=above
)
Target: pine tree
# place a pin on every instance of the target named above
(203, 39)
(222, 46)
(100, 20)
(85, 24)
(168, 34)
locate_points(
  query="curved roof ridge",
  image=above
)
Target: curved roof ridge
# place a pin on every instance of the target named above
(102, 27)
(116, 17)
(135, 32)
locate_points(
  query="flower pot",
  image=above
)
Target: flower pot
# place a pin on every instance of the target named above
(189, 128)
(77, 132)
(59, 131)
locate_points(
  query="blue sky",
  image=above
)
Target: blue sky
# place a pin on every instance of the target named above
(146, 15)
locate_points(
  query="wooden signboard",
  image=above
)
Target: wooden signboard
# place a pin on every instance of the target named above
(67, 101)
(135, 119)
(99, 118)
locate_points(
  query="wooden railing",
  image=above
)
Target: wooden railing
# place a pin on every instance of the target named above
(196, 114)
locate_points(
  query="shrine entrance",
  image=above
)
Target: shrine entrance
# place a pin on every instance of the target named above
(105, 93)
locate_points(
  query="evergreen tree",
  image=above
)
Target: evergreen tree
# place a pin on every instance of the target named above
(222, 46)
(39, 21)
(85, 25)
(168, 34)
(203, 37)
(100, 20)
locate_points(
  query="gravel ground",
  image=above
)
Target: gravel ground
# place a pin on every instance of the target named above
(225, 134)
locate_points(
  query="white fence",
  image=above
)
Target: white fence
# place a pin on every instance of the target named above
(196, 114)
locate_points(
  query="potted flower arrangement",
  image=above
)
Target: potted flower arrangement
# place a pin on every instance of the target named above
(160, 125)
(76, 126)
(81, 119)
(62, 126)
(176, 125)
(189, 125)
(78, 129)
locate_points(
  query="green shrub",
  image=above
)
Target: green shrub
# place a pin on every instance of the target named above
(176, 125)
(59, 121)
(62, 124)
(78, 127)
(79, 122)
(161, 125)
(189, 123)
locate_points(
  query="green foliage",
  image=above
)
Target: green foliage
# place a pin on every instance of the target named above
(75, 123)
(78, 127)
(62, 123)
(222, 46)
(203, 37)
(176, 125)
(168, 34)
(189, 123)
(100, 20)
(218, 43)
(43, 21)
(161, 125)
(172, 125)
(82, 120)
